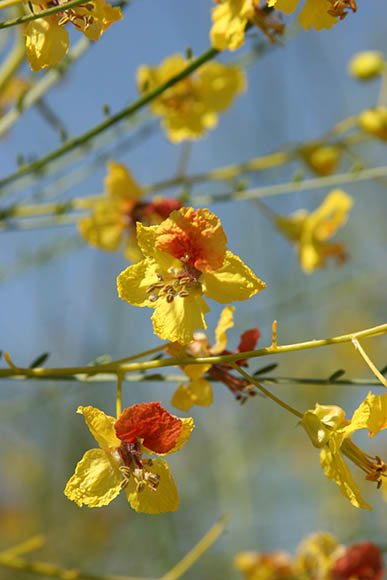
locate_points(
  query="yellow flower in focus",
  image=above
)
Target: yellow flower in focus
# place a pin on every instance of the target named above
(47, 41)
(260, 566)
(113, 219)
(374, 122)
(199, 389)
(119, 464)
(316, 556)
(367, 65)
(185, 257)
(330, 432)
(310, 232)
(190, 107)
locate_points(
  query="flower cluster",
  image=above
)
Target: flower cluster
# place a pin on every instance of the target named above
(330, 432)
(114, 216)
(319, 557)
(310, 232)
(119, 463)
(185, 257)
(199, 390)
(190, 107)
(47, 41)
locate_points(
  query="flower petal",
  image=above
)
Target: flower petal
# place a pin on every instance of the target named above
(315, 13)
(96, 481)
(371, 415)
(201, 392)
(164, 499)
(104, 227)
(336, 469)
(150, 422)
(101, 427)
(46, 42)
(219, 84)
(233, 281)
(120, 185)
(132, 283)
(229, 22)
(146, 239)
(177, 320)
(195, 234)
(226, 321)
(182, 398)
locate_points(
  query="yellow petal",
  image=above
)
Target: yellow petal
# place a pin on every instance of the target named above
(96, 481)
(188, 427)
(101, 427)
(104, 228)
(331, 214)
(177, 321)
(195, 372)
(120, 185)
(226, 321)
(201, 392)
(336, 469)
(371, 415)
(219, 84)
(164, 499)
(132, 251)
(233, 281)
(182, 398)
(133, 282)
(229, 19)
(287, 6)
(146, 239)
(103, 15)
(46, 42)
(315, 13)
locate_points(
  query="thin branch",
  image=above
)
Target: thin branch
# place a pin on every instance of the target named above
(369, 362)
(41, 14)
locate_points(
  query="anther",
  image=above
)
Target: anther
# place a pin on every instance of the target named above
(170, 298)
(183, 293)
(153, 298)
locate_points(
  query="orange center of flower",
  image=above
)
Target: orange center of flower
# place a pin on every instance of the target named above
(135, 466)
(374, 467)
(81, 20)
(340, 8)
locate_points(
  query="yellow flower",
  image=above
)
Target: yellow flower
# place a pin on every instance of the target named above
(114, 216)
(330, 432)
(47, 41)
(367, 65)
(190, 107)
(185, 257)
(310, 231)
(12, 92)
(374, 121)
(119, 464)
(322, 159)
(199, 390)
(260, 566)
(317, 13)
(230, 18)
(316, 556)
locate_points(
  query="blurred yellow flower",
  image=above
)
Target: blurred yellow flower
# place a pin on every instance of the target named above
(322, 159)
(310, 231)
(316, 556)
(317, 13)
(260, 566)
(47, 41)
(119, 464)
(113, 219)
(330, 432)
(199, 389)
(13, 91)
(374, 122)
(190, 107)
(367, 65)
(185, 256)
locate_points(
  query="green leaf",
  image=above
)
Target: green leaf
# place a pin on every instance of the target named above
(39, 360)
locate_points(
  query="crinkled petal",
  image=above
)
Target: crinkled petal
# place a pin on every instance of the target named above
(177, 320)
(120, 185)
(104, 227)
(164, 499)
(371, 415)
(336, 469)
(101, 427)
(146, 239)
(103, 15)
(196, 234)
(188, 427)
(315, 13)
(226, 321)
(229, 19)
(46, 42)
(233, 281)
(96, 481)
(150, 422)
(132, 283)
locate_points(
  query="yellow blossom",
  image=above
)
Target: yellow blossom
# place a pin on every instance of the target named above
(316, 13)
(322, 159)
(185, 257)
(119, 464)
(47, 41)
(310, 232)
(330, 432)
(367, 65)
(316, 556)
(114, 216)
(374, 122)
(260, 566)
(190, 107)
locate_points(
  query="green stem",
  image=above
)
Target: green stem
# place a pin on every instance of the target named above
(180, 361)
(266, 392)
(41, 14)
(13, 62)
(39, 164)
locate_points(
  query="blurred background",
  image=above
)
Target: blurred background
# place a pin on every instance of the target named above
(58, 295)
